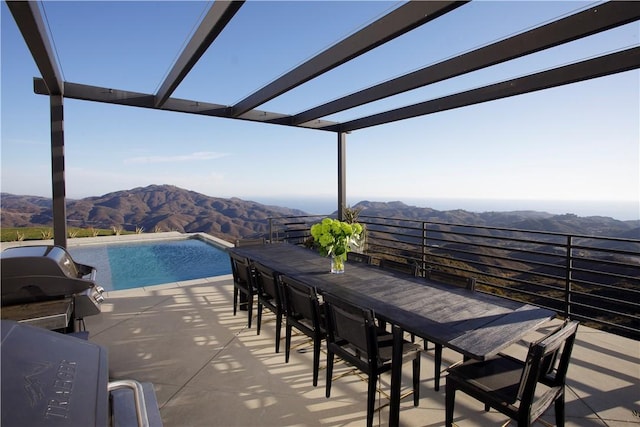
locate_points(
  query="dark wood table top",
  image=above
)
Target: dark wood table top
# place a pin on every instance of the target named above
(474, 324)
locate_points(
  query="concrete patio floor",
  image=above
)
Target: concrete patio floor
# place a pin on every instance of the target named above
(209, 369)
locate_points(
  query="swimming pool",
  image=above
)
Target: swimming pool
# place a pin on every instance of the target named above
(133, 265)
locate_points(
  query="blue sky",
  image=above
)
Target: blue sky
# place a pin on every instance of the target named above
(579, 142)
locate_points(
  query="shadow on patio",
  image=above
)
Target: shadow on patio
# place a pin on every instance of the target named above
(209, 369)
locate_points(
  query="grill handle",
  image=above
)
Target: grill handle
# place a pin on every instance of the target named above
(138, 396)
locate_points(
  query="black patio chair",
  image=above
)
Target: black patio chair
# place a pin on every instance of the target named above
(244, 287)
(303, 312)
(400, 267)
(250, 242)
(269, 296)
(449, 279)
(359, 257)
(522, 390)
(352, 335)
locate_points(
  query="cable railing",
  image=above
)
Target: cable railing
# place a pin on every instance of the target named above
(589, 278)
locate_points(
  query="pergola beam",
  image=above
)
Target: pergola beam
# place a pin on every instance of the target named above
(396, 23)
(399, 21)
(27, 16)
(219, 15)
(601, 66)
(147, 100)
(582, 24)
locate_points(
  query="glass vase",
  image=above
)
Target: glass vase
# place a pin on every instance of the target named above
(337, 264)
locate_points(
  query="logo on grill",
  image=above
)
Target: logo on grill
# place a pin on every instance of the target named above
(32, 384)
(53, 384)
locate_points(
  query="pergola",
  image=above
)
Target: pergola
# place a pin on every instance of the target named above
(406, 17)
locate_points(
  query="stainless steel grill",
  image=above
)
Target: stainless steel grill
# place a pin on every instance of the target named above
(35, 275)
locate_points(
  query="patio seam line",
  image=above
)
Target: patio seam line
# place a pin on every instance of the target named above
(584, 402)
(204, 365)
(133, 316)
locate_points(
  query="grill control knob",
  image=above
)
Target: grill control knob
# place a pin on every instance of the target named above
(100, 289)
(99, 298)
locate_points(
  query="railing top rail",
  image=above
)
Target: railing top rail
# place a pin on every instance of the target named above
(518, 230)
(485, 227)
(300, 216)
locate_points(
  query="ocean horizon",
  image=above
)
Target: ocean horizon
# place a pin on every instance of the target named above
(620, 210)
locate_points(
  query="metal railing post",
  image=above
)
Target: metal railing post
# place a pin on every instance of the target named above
(568, 274)
(425, 245)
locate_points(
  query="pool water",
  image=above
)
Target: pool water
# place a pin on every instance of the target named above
(133, 265)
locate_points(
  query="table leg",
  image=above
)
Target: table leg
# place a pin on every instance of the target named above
(396, 377)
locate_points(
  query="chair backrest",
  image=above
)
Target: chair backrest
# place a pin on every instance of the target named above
(451, 279)
(358, 257)
(268, 282)
(402, 267)
(301, 300)
(547, 361)
(241, 269)
(352, 324)
(249, 242)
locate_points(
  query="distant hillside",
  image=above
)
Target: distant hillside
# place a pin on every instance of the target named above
(522, 220)
(156, 207)
(166, 207)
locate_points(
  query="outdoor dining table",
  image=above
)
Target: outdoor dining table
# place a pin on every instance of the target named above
(475, 324)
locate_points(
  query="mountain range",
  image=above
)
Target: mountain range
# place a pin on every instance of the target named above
(166, 207)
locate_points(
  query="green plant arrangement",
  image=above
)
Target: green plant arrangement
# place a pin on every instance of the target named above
(334, 238)
(350, 215)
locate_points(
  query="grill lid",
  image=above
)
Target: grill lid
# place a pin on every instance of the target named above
(52, 379)
(40, 260)
(38, 273)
